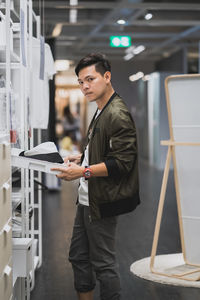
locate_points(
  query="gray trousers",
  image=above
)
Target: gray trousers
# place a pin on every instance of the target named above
(92, 255)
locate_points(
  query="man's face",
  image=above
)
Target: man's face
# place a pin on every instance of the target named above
(93, 85)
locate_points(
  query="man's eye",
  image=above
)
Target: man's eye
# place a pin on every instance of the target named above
(80, 82)
(90, 79)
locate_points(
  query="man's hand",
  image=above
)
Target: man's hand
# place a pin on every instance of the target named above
(73, 158)
(71, 172)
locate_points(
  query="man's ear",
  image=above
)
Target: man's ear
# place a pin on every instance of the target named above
(107, 76)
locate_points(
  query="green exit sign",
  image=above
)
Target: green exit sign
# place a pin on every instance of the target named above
(120, 41)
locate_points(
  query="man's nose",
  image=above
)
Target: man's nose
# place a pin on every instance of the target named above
(85, 85)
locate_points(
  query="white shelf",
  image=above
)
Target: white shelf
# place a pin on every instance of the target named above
(22, 243)
(14, 56)
(14, 14)
(16, 231)
(32, 164)
(12, 69)
(12, 65)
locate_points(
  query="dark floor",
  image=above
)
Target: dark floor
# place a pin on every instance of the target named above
(54, 280)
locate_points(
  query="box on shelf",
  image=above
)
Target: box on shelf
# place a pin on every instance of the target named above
(22, 257)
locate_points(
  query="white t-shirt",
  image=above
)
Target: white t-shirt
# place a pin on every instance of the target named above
(40, 88)
(83, 187)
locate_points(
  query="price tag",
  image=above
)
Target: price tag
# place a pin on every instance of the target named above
(13, 136)
(6, 186)
(7, 228)
(7, 270)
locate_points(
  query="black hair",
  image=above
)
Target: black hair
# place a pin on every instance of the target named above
(100, 61)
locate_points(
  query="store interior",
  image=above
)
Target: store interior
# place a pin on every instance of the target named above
(41, 41)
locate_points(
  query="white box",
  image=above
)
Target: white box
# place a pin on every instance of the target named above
(22, 257)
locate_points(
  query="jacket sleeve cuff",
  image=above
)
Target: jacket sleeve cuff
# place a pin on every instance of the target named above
(112, 167)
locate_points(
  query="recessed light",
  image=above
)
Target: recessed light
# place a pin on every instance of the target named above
(121, 22)
(148, 16)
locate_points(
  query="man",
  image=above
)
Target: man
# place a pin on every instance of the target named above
(108, 187)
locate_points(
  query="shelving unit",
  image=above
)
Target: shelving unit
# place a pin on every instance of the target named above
(16, 64)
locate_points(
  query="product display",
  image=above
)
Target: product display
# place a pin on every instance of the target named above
(26, 65)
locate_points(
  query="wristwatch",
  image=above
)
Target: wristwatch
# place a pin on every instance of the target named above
(87, 173)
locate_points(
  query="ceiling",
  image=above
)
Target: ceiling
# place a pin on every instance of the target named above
(174, 25)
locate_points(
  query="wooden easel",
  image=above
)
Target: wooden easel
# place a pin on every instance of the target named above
(193, 274)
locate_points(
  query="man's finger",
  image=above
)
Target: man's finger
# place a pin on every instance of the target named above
(58, 169)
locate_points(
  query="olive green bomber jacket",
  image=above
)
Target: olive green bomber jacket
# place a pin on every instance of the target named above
(112, 140)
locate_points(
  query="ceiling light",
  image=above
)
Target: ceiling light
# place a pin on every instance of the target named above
(73, 15)
(136, 76)
(73, 12)
(130, 49)
(148, 16)
(140, 75)
(73, 2)
(128, 56)
(57, 30)
(146, 77)
(121, 22)
(138, 49)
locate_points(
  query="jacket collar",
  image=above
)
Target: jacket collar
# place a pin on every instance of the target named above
(109, 101)
(94, 117)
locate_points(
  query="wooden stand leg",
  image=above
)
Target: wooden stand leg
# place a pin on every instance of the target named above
(160, 207)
